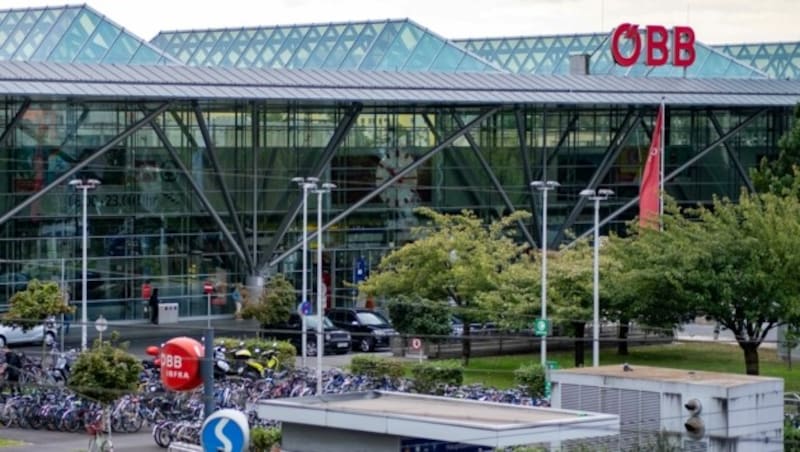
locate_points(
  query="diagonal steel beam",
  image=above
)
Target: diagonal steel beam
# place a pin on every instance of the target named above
(526, 166)
(734, 158)
(73, 128)
(388, 183)
(722, 139)
(612, 152)
(197, 190)
(226, 194)
(557, 148)
(83, 164)
(15, 121)
(495, 181)
(462, 170)
(184, 129)
(324, 160)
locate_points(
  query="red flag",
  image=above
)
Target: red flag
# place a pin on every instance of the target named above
(649, 202)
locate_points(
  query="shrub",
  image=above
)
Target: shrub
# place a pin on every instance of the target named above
(263, 439)
(106, 371)
(420, 317)
(276, 304)
(429, 377)
(375, 367)
(285, 350)
(532, 377)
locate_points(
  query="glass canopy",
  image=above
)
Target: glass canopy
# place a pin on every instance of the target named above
(392, 45)
(549, 55)
(71, 34)
(778, 60)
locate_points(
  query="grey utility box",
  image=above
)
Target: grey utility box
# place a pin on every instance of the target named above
(693, 410)
(167, 313)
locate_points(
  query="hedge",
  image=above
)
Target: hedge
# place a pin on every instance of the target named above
(376, 367)
(263, 439)
(532, 377)
(430, 377)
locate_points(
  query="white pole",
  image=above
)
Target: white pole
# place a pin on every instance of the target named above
(303, 294)
(596, 283)
(208, 310)
(543, 352)
(320, 311)
(84, 318)
(66, 297)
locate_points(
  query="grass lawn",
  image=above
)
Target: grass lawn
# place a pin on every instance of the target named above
(498, 371)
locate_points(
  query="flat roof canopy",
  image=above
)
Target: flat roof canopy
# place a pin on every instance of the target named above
(698, 377)
(440, 418)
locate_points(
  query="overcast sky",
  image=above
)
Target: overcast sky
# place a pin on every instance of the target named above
(714, 21)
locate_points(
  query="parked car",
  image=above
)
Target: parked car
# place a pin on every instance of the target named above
(475, 329)
(12, 334)
(336, 340)
(369, 329)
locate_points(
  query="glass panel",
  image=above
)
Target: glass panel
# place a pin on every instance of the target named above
(257, 43)
(290, 46)
(470, 64)
(189, 45)
(75, 37)
(55, 34)
(16, 37)
(237, 48)
(100, 43)
(203, 48)
(271, 48)
(220, 48)
(379, 47)
(401, 48)
(9, 24)
(324, 46)
(161, 40)
(123, 49)
(365, 39)
(447, 60)
(145, 55)
(427, 49)
(36, 36)
(307, 45)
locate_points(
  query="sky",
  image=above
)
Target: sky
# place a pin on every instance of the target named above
(714, 21)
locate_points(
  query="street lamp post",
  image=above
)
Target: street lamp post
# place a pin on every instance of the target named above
(306, 184)
(85, 185)
(324, 188)
(544, 186)
(596, 196)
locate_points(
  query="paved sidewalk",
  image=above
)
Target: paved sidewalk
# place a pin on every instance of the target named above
(46, 441)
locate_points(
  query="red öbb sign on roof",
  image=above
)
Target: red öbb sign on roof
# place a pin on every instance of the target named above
(656, 38)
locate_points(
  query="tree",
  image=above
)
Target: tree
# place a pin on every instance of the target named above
(735, 263)
(456, 258)
(106, 371)
(420, 316)
(276, 304)
(32, 306)
(779, 176)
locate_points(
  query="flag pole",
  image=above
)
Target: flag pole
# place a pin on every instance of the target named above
(662, 115)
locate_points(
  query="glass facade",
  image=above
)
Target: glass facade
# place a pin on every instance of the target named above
(392, 45)
(147, 224)
(549, 55)
(174, 211)
(779, 59)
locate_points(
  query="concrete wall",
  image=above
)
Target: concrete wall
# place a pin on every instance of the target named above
(306, 438)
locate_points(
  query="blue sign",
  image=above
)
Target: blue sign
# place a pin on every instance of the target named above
(360, 270)
(225, 431)
(304, 308)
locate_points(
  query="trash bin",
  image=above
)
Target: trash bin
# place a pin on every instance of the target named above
(167, 313)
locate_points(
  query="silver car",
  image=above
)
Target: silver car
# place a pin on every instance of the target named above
(12, 334)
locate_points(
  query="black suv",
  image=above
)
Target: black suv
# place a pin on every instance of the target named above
(368, 329)
(336, 340)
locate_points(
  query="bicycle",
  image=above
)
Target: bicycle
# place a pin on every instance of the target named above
(100, 437)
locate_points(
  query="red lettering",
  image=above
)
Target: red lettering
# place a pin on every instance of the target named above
(683, 53)
(631, 33)
(657, 41)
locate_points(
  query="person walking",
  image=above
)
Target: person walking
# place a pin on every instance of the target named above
(12, 370)
(154, 307)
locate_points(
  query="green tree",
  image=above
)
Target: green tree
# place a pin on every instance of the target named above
(734, 262)
(32, 306)
(276, 304)
(420, 316)
(105, 371)
(779, 176)
(456, 258)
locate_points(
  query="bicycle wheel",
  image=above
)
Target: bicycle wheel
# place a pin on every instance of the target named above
(106, 446)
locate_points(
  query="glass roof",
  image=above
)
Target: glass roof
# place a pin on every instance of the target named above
(778, 60)
(71, 34)
(549, 55)
(392, 45)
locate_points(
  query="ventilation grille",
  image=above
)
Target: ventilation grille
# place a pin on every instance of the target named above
(690, 445)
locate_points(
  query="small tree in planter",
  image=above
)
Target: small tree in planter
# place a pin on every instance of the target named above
(105, 372)
(276, 304)
(34, 305)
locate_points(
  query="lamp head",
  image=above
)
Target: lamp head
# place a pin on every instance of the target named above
(605, 192)
(587, 192)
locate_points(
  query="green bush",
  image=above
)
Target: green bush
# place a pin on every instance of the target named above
(532, 377)
(791, 437)
(376, 367)
(429, 377)
(419, 316)
(285, 350)
(262, 439)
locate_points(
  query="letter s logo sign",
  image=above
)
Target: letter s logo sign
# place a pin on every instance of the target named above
(629, 32)
(226, 443)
